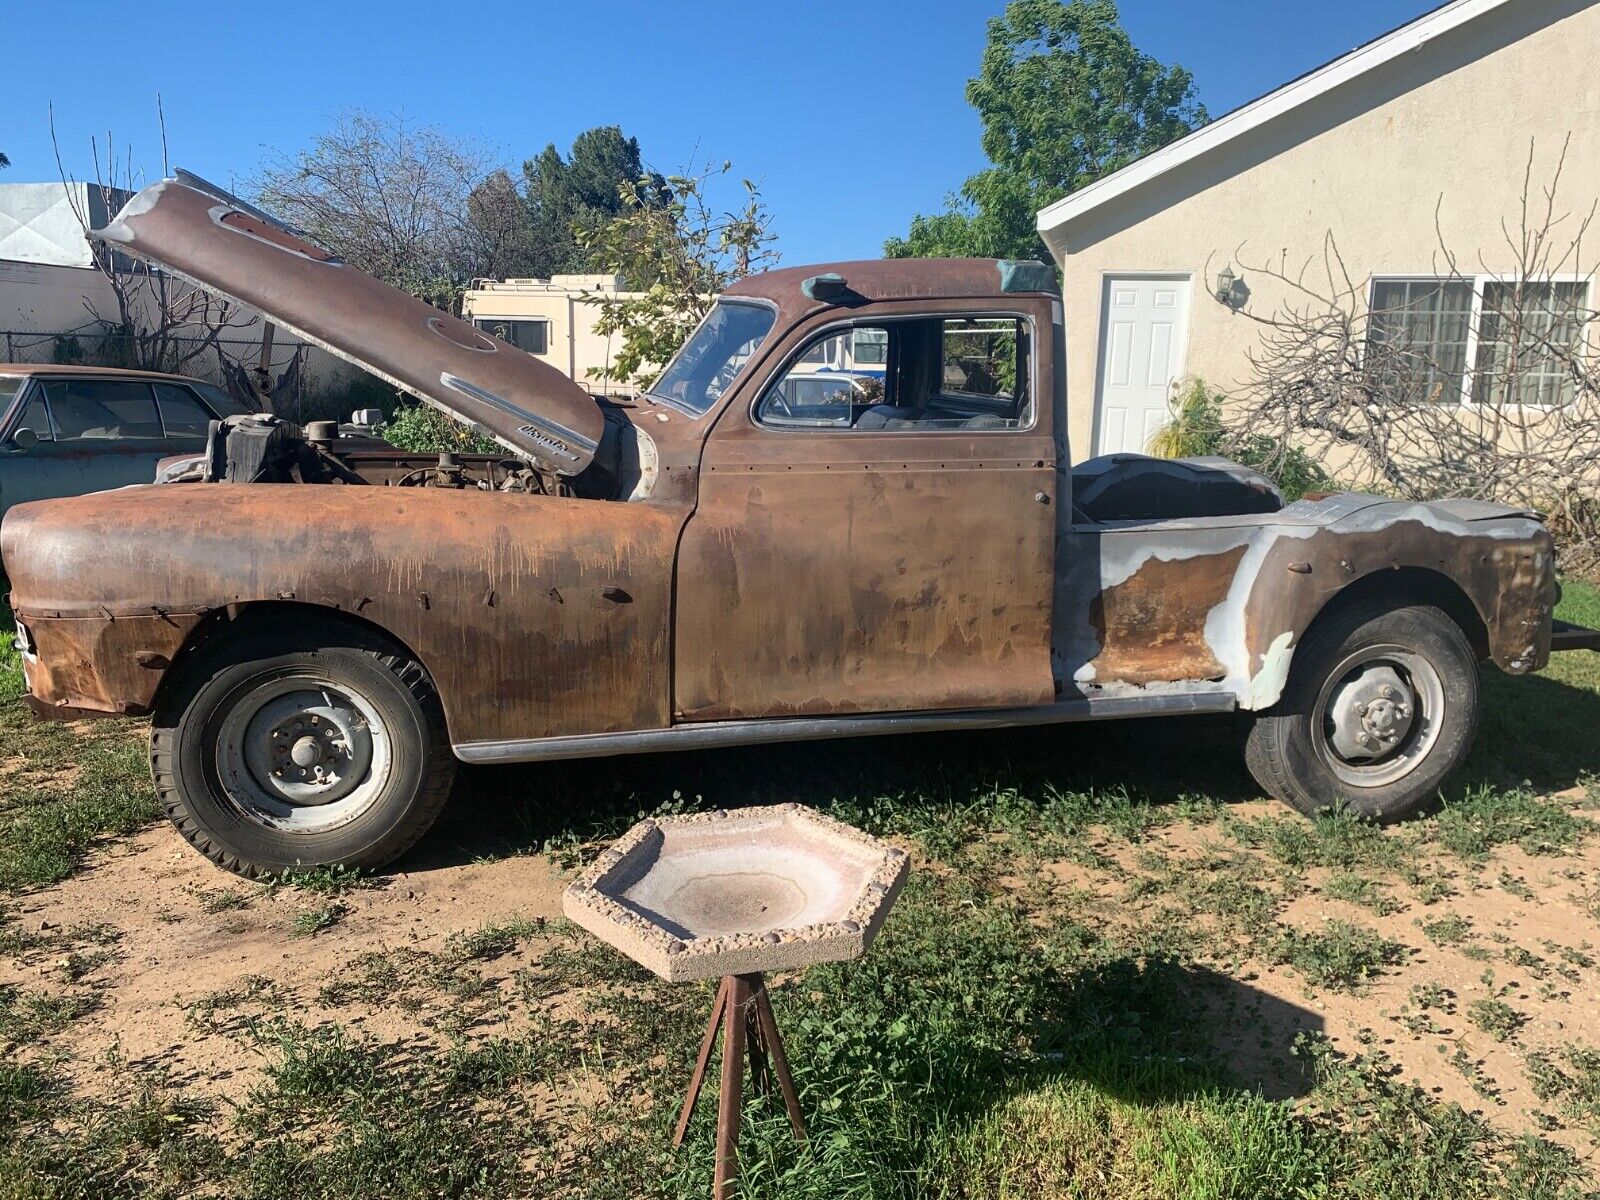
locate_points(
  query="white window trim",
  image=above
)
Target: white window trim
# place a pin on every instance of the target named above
(1478, 282)
(482, 322)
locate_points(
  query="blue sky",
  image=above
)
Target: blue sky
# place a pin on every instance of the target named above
(850, 113)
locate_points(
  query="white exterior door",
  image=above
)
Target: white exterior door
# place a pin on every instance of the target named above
(1144, 333)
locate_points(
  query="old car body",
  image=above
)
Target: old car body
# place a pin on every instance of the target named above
(67, 430)
(680, 571)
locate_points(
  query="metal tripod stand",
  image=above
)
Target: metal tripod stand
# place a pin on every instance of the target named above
(743, 1011)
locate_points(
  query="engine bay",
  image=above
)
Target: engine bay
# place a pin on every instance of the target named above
(259, 448)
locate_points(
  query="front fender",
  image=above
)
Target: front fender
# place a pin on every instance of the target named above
(536, 616)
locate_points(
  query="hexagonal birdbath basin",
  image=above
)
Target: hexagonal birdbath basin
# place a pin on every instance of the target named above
(733, 895)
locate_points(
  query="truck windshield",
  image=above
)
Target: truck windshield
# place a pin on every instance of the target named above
(713, 357)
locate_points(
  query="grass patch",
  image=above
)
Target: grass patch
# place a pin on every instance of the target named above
(1496, 1018)
(312, 921)
(1473, 826)
(1340, 839)
(1569, 1076)
(1341, 955)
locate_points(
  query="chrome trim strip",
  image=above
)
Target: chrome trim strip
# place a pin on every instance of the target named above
(707, 734)
(553, 428)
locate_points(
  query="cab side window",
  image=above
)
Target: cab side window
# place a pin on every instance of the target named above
(919, 373)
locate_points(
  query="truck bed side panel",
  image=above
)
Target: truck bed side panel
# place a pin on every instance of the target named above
(1222, 603)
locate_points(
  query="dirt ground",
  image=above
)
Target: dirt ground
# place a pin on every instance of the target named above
(1550, 905)
(187, 940)
(185, 963)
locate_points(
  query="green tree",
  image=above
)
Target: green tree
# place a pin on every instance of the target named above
(4, 161)
(682, 251)
(1065, 98)
(574, 196)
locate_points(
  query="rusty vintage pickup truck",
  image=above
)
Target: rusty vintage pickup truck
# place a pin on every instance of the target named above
(846, 507)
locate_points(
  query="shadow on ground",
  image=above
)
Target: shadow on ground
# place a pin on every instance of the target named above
(498, 810)
(1537, 730)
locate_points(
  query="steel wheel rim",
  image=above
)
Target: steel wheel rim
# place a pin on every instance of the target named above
(1378, 715)
(303, 754)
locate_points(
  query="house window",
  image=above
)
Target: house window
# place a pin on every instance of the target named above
(1523, 341)
(1417, 338)
(1474, 340)
(532, 336)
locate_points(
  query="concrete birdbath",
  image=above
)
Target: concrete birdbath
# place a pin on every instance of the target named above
(732, 895)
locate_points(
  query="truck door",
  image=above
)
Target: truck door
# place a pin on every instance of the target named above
(875, 523)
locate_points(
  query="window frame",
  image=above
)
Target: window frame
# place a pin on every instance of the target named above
(477, 323)
(822, 332)
(1466, 400)
(192, 393)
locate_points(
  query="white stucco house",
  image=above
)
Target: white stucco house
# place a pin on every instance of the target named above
(1418, 138)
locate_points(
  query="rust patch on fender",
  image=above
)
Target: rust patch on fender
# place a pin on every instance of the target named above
(1152, 626)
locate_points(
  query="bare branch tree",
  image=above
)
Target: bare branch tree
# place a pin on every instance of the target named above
(160, 323)
(1481, 383)
(386, 197)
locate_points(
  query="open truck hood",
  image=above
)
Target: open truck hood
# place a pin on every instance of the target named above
(218, 242)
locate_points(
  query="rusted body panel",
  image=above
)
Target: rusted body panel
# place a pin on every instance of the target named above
(923, 559)
(212, 241)
(535, 616)
(95, 666)
(1222, 602)
(817, 584)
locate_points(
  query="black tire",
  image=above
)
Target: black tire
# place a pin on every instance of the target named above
(1290, 748)
(211, 792)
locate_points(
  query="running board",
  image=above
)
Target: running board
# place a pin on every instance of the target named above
(708, 734)
(1566, 636)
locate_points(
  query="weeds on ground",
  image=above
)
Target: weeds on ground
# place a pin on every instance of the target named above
(1341, 955)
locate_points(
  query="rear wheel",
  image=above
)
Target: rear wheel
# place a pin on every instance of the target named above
(1381, 706)
(273, 753)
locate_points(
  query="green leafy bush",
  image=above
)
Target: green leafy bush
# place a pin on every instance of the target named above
(1197, 429)
(429, 431)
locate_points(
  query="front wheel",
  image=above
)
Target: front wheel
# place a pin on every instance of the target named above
(280, 754)
(1381, 706)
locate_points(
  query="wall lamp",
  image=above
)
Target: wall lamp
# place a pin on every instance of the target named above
(1232, 291)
